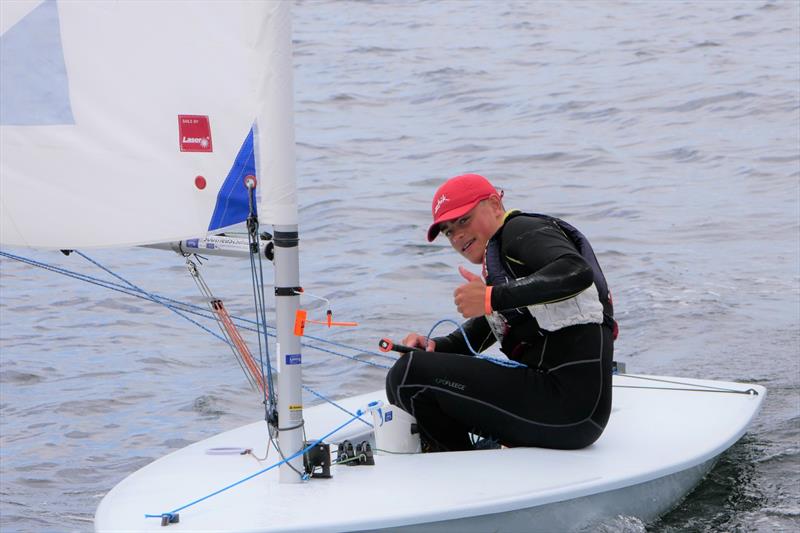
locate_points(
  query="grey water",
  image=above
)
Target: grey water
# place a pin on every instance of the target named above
(669, 132)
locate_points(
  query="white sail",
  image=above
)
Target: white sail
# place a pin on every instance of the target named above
(123, 131)
(125, 123)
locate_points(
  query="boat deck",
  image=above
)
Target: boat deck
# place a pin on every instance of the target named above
(655, 432)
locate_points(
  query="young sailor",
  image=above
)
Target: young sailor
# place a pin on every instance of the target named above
(545, 299)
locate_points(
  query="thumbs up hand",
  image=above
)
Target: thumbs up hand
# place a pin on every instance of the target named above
(470, 297)
(467, 275)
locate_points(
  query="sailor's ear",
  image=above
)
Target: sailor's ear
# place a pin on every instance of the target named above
(497, 204)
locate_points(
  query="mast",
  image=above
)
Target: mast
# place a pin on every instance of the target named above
(290, 399)
(275, 163)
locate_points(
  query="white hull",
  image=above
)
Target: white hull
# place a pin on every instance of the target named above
(646, 501)
(658, 445)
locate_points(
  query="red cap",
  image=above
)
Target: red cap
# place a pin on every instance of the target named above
(456, 197)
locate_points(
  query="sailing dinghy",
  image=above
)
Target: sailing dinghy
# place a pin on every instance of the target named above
(113, 158)
(664, 435)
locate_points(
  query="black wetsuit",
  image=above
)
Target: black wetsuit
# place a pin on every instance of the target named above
(562, 397)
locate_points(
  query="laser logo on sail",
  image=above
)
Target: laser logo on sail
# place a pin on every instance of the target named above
(194, 133)
(202, 141)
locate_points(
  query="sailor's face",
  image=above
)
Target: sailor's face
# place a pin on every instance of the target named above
(469, 234)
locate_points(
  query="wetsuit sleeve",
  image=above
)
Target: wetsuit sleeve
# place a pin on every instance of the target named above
(478, 332)
(546, 264)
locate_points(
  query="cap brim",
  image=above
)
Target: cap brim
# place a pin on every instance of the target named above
(433, 232)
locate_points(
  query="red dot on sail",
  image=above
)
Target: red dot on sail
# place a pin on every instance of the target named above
(200, 182)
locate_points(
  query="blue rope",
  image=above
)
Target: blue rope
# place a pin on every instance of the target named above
(153, 298)
(340, 345)
(187, 307)
(460, 327)
(333, 403)
(349, 357)
(138, 293)
(74, 275)
(123, 280)
(251, 476)
(502, 362)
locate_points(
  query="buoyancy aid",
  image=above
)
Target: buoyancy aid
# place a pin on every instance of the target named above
(593, 305)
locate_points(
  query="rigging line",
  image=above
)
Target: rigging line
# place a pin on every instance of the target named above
(123, 280)
(151, 297)
(263, 313)
(333, 403)
(749, 392)
(133, 291)
(136, 292)
(227, 328)
(257, 279)
(276, 444)
(339, 345)
(241, 345)
(251, 476)
(352, 358)
(109, 285)
(161, 300)
(201, 285)
(269, 396)
(193, 309)
(186, 307)
(709, 387)
(74, 275)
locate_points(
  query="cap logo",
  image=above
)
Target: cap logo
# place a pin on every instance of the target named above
(442, 199)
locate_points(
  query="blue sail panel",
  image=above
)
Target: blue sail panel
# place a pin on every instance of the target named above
(232, 200)
(33, 76)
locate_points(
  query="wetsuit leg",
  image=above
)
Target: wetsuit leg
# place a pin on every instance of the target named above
(563, 404)
(439, 390)
(575, 363)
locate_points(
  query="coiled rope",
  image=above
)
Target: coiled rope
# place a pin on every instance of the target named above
(502, 362)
